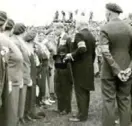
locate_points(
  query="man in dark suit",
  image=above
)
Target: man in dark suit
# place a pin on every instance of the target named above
(83, 56)
(116, 46)
(63, 81)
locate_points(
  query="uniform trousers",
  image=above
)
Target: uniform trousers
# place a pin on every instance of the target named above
(22, 101)
(114, 90)
(42, 81)
(11, 106)
(30, 100)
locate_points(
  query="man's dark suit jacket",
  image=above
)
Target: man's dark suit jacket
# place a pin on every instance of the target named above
(116, 46)
(84, 55)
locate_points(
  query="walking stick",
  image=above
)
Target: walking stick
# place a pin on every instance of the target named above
(69, 63)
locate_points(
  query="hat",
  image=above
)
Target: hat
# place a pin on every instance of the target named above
(114, 7)
(3, 17)
(10, 24)
(30, 35)
(19, 29)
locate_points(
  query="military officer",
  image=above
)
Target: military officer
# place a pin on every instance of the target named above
(116, 41)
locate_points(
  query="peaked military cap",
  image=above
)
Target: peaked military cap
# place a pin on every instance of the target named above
(30, 35)
(114, 7)
(19, 28)
(10, 24)
(3, 17)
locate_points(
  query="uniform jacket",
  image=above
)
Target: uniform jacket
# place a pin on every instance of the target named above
(84, 55)
(116, 46)
(15, 60)
(26, 60)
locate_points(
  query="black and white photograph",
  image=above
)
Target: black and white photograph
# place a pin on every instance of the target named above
(65, 62)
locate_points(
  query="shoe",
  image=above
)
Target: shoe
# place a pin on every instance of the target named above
(42, 114)
(51, 101)
(22, 121)
(74, 120)
(117, 122)
(75, 115)
(28, 118)
(35, 116)
(46, 102)
(63, 113)
(53, 97)
(55, 110)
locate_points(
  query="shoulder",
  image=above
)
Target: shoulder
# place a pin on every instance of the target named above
(5, 41)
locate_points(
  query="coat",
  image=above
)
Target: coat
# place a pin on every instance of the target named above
(15, 60)
(84, 54)
(116, 45)
(26, 60)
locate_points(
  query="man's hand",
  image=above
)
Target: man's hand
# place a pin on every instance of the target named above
(128, 72)
(10, 86)
(21, 85)
(31, 83)
(125, 75)
(68, 57)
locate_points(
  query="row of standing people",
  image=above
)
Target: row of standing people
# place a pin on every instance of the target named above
(18, 73)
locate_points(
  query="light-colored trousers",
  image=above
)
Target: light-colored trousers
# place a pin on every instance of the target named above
(22, 101)
(51, 80)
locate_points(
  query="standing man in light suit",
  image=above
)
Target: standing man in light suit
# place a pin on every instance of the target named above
(116, 47)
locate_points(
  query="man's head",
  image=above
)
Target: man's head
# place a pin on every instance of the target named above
(10, 24)
(19, 29)
(81, 22)
(58, 29)
(29, 36)
(3, 20)
(112, 11)
(41, 37)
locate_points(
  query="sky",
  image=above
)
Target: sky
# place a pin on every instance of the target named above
(41, 12)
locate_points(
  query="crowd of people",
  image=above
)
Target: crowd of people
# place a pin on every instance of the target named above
(41, 66)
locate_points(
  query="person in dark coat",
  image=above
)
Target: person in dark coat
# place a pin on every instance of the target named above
(63, 80)
(116, 46)
(83, 56)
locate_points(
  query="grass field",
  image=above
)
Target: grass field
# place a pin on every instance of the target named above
(54, 119)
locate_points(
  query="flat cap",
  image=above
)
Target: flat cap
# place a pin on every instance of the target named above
(114, 7)
(3, 17)
(19, 28)
(29, 36)
(10, 24)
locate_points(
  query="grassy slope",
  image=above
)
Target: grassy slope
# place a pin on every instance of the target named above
(53, 119)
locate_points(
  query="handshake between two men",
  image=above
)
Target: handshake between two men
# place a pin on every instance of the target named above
(124, 75)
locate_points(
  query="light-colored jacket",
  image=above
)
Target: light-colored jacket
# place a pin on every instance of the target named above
(15, 60)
